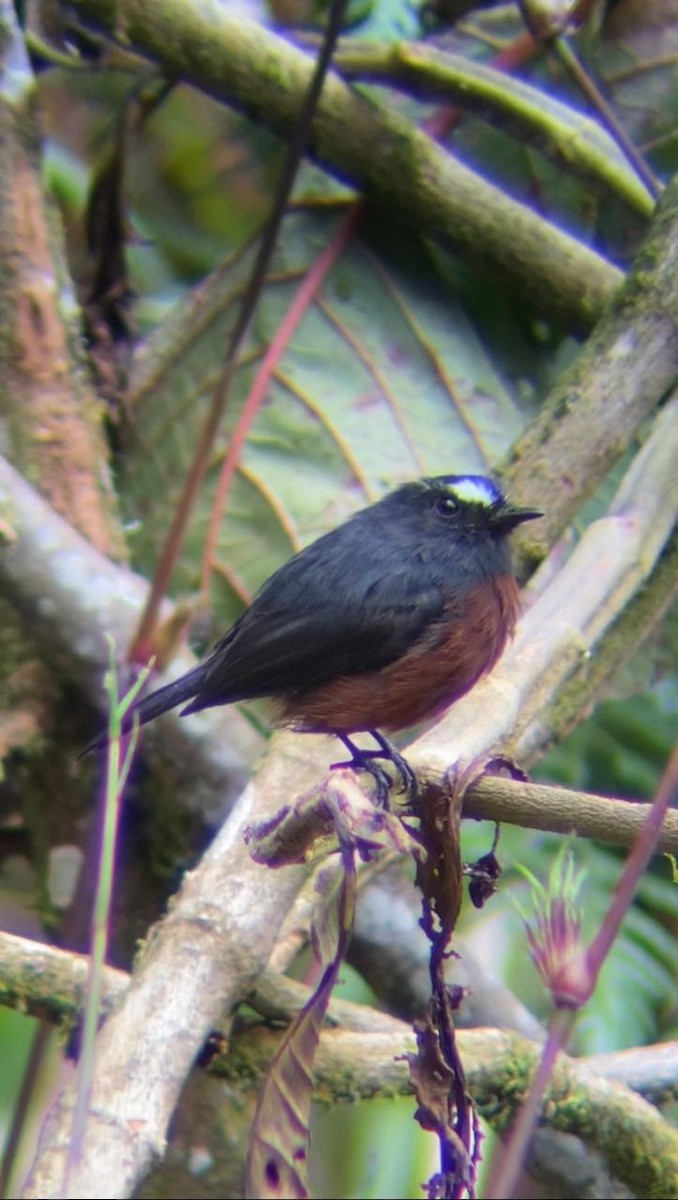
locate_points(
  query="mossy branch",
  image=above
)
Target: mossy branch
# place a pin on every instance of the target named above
(398, 168)
(570, 138)
(365, 1058)
(627, 367)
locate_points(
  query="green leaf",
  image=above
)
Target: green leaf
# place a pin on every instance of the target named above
(385, 380)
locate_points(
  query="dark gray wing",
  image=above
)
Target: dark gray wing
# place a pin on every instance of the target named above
(340, 607)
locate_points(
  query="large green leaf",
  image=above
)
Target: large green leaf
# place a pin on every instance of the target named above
(386, 379)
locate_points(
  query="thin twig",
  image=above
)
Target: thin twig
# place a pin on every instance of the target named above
(593, 94)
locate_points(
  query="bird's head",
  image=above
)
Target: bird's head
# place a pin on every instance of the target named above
(474, 502)
(463, 505)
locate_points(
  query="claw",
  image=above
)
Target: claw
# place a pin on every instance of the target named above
(364, 760)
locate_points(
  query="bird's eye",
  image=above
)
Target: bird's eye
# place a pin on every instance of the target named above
(447, 506)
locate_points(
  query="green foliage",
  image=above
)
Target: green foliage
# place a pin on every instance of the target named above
(389, 1152)
(622, 749)
(16, 1034)
(386, 379)
(636, 990)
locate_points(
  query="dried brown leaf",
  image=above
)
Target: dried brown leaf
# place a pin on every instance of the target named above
(313, 826)
(278, 1149)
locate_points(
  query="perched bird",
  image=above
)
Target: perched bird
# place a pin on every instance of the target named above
(380, 624)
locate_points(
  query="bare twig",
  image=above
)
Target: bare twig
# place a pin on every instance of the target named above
(559, 810)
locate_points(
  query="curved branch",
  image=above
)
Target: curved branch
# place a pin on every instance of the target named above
(640, 1148)
(397, 167)
(563, 134)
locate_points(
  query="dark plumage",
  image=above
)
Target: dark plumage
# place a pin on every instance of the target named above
(383, 622)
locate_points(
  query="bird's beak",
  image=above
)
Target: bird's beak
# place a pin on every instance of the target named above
(510, 515)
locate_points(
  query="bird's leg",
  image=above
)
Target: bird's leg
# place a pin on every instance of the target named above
(363, 760)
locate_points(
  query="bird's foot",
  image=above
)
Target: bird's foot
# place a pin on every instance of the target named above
(393, 755)
(365, 760)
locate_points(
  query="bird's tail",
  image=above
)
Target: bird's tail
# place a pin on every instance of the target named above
(183, 689)
(157, 703)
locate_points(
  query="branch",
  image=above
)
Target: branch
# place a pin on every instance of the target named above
(639, 1146)
(49, 983)
(617, 646)
(71, 596)
(559, 810)
(650, 1070)
(568, 137)
(398, 168)
(199, 962)
(50, 414)
(576, 605)
(591, 416)
(365, 1058)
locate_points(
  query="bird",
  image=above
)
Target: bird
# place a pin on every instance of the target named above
(377, 626)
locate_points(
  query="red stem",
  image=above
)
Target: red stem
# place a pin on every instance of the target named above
(304, 296)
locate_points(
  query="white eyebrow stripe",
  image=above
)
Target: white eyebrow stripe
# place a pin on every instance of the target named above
(474, 491)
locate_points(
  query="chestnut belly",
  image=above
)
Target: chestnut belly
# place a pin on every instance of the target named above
(441, 667)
